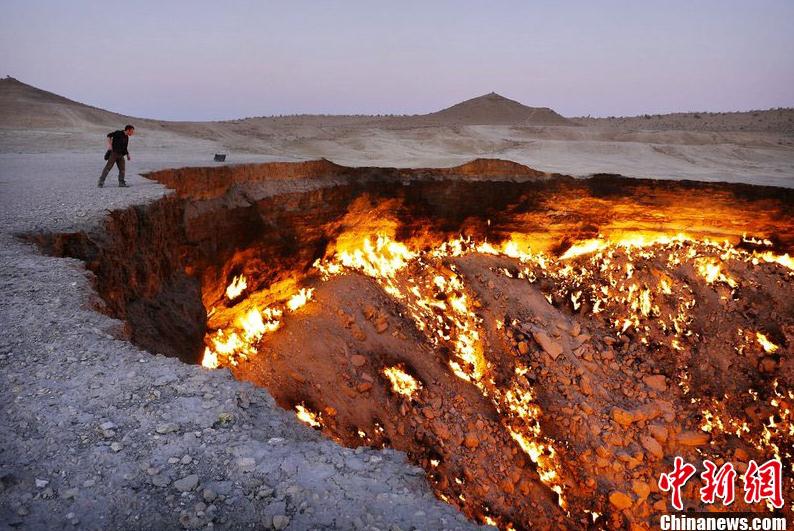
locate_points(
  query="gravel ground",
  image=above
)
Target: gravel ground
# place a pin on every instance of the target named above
(97, 434)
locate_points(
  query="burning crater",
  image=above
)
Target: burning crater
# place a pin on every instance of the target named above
(542, 346)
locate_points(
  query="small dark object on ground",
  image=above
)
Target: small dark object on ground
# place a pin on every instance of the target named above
(220, 157)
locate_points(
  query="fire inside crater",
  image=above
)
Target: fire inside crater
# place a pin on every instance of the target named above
(537, 343)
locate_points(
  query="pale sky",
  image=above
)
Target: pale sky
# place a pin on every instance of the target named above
(207, 59)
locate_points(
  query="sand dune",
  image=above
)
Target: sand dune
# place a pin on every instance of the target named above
(755, 147)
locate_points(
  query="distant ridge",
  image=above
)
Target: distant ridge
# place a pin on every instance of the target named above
(494, 109)
(26, 106)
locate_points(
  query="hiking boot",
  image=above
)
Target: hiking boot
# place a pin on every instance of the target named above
(123, 185)
(99, 185)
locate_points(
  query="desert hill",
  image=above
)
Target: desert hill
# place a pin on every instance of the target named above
(494, 109)
(24, 106)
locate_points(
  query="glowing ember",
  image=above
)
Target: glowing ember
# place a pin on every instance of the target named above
(402, 382)
(307, 417)
(237, 286)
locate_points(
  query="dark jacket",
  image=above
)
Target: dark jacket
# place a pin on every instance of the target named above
(119, 142)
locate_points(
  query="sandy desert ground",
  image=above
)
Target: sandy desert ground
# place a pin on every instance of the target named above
(754, 147)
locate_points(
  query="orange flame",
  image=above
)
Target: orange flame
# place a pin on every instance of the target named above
(402, 382)
(307, 417)
(237, 286)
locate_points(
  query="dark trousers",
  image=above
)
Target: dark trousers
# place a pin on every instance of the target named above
(116, 159)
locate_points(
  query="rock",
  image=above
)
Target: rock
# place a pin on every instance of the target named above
(656, 382)
(620, 500)
(640, 488)
(41, 483)
(168, 427)
(224, 419)
(69, 494)
(107, 426)
(264, 492)
(551, 347)
(209, 495)
(369, 311)
(358, 360)
(441, 430)
(187, 483)
(646, 412)
(280, 521)
(186, 460)
(622, 417)
(246, 464)
(381, 324)
(189, 521)
(767, 364)
(692, 438)
(364, 387)
(358, 333)
(160, 480)
(116, 446)
(658, 432)
(523, 347)
(587, 388)
(652, 445)
(471, 441)
(741, 454)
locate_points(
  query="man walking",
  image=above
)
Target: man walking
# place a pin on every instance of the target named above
(117, 150)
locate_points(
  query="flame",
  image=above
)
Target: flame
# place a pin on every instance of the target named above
(711, 270)
(767, 345)
(585, 247)
(307, 417)
(639, 284)
(237, 286)
(761, 242)
(300, 299)
(768, 256)
(627, 240)
(402, 382)
(767, 438)
(210, 359)
(380, 256)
